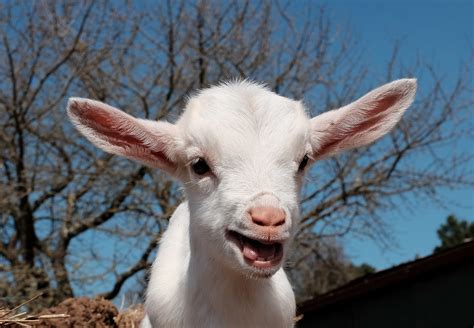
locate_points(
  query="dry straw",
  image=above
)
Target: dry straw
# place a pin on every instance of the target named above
(10, 317)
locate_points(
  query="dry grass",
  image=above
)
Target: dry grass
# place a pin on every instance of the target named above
(131, 317)
(13, 318)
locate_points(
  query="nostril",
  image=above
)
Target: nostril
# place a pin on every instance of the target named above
(267, 216)
(259, 220)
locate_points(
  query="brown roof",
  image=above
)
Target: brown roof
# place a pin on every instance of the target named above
(388, 278)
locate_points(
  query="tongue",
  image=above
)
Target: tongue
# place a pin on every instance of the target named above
(261, 252)
(250, 252)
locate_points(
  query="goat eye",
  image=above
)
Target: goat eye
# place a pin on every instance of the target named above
(303, 163)
(200, 166)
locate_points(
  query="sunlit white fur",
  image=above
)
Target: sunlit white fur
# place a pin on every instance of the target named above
(253, 141)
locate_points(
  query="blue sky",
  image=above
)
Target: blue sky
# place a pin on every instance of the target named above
(442, 32)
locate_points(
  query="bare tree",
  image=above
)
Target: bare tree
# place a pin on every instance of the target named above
(75, 220)
(324, 268)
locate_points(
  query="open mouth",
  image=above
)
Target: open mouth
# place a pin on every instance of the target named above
(258, 253)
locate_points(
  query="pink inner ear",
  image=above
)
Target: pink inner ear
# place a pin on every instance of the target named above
(388, 101)
(373, 117)
(375, 114)
(118, 134)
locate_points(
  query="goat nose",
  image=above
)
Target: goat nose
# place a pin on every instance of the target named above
(267, 216)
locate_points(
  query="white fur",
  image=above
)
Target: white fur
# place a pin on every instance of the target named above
(253, 141)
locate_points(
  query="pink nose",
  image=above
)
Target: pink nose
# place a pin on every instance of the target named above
(267, 216)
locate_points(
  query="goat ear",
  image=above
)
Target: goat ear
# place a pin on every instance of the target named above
(363, 121)
(149, 142)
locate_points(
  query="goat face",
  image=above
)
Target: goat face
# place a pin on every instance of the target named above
(246, 149)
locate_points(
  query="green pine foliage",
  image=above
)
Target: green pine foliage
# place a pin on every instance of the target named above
(454, 232)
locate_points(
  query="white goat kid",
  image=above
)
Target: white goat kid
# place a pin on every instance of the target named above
(240, 151)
